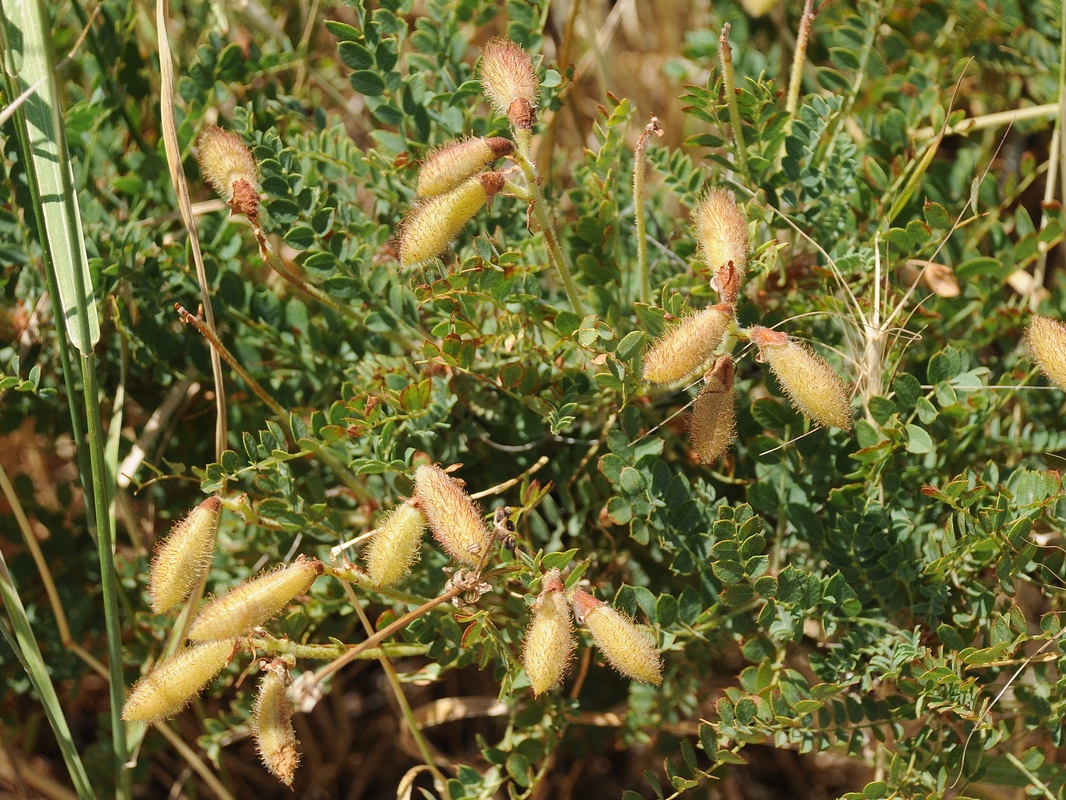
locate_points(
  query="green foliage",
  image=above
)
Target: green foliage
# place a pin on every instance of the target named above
(869, 596)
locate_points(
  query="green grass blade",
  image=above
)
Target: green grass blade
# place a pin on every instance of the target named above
(29, 60)
(24, 644)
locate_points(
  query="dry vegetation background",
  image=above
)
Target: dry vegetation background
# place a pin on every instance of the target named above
(353, 743)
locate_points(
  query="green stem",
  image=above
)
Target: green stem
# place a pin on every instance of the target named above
(638, 208)
(555, 252)
(108, 577)
(726, 52)
(1031, 776)
(326, 652)
(405, 708)
(402, 622)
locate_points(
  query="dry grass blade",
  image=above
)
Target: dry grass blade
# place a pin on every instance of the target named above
(181, 189)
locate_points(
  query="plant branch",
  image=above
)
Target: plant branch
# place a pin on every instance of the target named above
(726, 51)
(639, 158)
(539, 206)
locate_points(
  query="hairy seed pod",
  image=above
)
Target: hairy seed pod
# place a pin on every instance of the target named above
(509, 80)
(252, 603)
(170, 685)
(713, 423)
(685, 349)
(444, 169)
(453, 517)
(550, 640)
(627, 648)
(182, 558)
(1047, 345)
(394, 546)
(275, 738)
(435, 224)
(722, 233)
(229, 166)
(810, 383)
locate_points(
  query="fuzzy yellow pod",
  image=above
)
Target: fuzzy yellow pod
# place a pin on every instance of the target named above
(713, 423)
(252, 603)
(626, 647)
(394, 546)
(272, 728)
(550, 640)
(685, 349)
(1047, 345)
(182, 558)
(447, 167)
(509, 80)
(722, 231)
(435, 224)
(810, 383)
(170, 685)
(453, 517)
(229, 166)
(758, 8)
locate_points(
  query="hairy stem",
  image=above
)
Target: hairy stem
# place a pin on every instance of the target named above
(726, 51)
(539, 206)
(795, 79)
(638, 207)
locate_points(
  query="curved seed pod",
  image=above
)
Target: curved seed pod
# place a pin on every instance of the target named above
(272, 725)
(1047, 345)
(229, 166)
(685, 349)
(251, 604)
(810, 383)
(433, 225)
(509, 80)
(170, 685)
(182, 558)
(713, 423)
(722, 232)
(444, 169)
(453, 517)
(627, 648)
(394, 546)
(550, 640)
